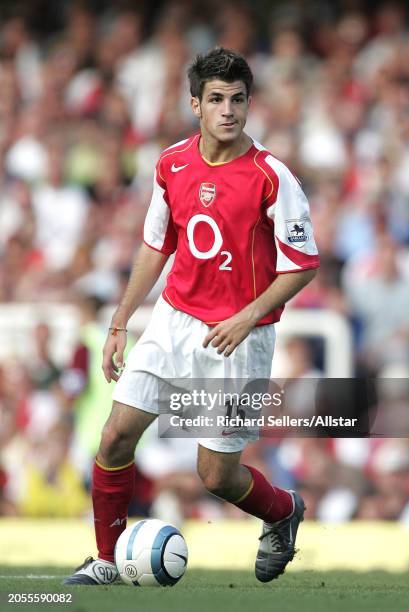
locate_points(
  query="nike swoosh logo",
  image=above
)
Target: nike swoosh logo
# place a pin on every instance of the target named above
(178, 168)
(180, 557)
(231, 432)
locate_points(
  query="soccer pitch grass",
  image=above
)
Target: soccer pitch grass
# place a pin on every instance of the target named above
(217, 591)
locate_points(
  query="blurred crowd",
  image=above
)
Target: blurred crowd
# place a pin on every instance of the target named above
(90, 93)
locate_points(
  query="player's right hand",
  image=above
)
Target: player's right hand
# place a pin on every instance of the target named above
(113, 355)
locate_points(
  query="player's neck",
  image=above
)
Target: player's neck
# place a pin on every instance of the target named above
(217, 152)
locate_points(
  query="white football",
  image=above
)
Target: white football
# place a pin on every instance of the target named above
(151, 553)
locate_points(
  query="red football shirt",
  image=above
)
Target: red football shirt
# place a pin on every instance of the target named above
(234, 227)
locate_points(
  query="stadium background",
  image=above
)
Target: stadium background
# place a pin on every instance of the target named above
(90, 92)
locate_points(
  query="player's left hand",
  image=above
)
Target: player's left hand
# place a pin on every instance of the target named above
(228, 334)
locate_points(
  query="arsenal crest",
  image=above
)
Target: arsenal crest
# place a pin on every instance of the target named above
(207, 193)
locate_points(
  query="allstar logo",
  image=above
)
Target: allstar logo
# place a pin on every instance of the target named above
(207, 194)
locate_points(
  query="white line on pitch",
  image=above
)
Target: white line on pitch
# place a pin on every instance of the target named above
(31, 576)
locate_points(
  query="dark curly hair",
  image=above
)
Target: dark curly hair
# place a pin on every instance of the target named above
(219, 63)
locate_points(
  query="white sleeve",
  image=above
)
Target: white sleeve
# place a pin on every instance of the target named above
(293, 233)
(159, 232)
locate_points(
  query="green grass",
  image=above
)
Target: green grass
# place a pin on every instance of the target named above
(214, 591)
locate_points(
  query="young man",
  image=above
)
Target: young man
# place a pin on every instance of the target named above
(239, 224)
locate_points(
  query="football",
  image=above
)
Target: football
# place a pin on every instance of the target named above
(151, 553)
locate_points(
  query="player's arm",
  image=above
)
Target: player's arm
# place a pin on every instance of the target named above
(146, 270)
(160, 240)
(228, 334)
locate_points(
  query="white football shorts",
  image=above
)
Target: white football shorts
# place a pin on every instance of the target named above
(171, 347)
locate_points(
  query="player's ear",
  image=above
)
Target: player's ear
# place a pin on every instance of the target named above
(195, 104)
(249, 100)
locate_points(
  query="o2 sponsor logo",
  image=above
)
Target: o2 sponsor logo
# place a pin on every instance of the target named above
(217, 241)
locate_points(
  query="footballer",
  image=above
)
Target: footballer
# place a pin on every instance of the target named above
(239, 225)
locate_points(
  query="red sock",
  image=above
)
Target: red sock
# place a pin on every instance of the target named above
(268, 503)
(112, 491)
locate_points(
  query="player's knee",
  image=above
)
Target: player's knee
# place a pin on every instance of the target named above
(215, 483)
(116, 446)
